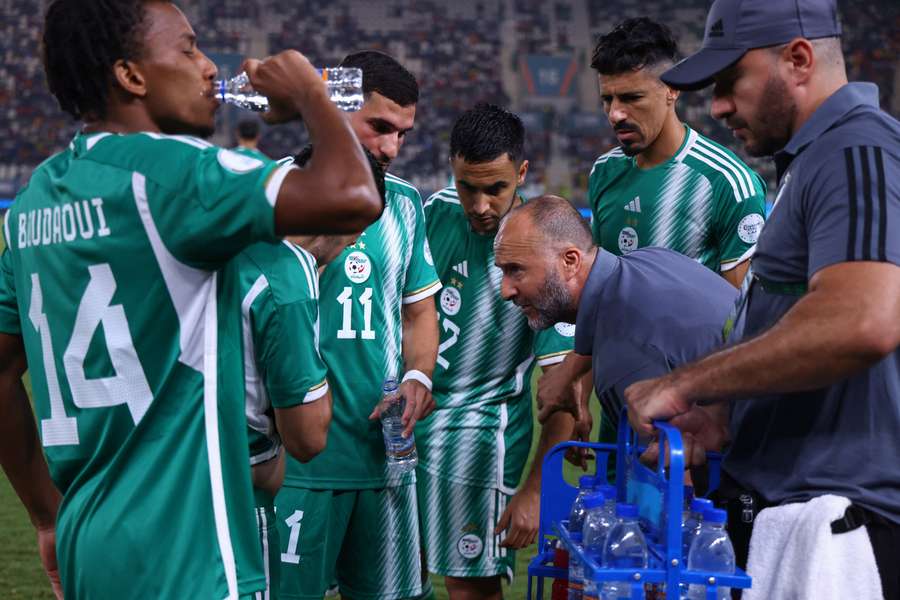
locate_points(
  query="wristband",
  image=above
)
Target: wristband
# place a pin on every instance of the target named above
(419, 376)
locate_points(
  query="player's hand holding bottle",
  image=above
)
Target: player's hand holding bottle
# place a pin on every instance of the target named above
(290, 83)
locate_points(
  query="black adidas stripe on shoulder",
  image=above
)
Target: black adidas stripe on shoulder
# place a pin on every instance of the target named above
(867, 229)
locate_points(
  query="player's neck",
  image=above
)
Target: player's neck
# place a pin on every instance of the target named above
(665, 145)
(122, 119)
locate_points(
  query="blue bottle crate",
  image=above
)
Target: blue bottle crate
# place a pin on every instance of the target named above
(656, 496)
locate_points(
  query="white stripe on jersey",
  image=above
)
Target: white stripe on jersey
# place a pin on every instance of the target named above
(193, 294)
(677, 178)
(697, 153)
(308, 263)
(691, 139)
(184, 139)
(275, 180)
(263, 525)
(256, 398)
(395, 267)
(448, 195)
(402, 182)
(92, 141)
(719, 160)
(739, 170)
(616, 152)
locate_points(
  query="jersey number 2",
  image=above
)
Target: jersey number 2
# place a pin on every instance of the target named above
(129, 384)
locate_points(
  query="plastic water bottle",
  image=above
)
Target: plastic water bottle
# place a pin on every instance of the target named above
(400, 451)
(576, 571)
(711, 551)
(692, 523)
(597, 523)
(344, 87)
(609, 493)
(576, 515)
(625, 548)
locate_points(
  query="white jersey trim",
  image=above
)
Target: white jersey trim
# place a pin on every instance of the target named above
(729, 265)
(273, 186)
(263, 525)
(734, 186)
(731, 175)
(739, 171)
(316, 393)
(193, 294)
(431, 290)
(256, 400)
(553, 359)
(616, 152)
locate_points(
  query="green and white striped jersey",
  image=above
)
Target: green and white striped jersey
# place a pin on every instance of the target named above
(480, 433)
(361, 334)
(280, 327)
(704, 202)
(117, 277)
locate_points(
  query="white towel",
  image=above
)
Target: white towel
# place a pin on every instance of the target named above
(794, 555)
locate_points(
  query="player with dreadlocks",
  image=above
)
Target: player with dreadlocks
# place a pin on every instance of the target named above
(115, 287)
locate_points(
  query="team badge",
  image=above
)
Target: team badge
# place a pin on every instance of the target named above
(749, 227)
(451, 301)
(628, 240)
(426, 250)
(358, 267)
(470, 546)
(565, 329)
(236, 162)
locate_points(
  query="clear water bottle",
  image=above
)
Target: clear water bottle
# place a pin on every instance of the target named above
(609, 493)
(576, 515)
(576, 571)
(400, 451)
(712, 552)
(692, 523)
(597, 523)
(344, 87)
(625, 548)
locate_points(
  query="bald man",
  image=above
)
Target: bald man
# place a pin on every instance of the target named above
(637, 316)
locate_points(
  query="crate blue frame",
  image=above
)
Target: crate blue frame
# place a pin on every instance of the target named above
(646, 488)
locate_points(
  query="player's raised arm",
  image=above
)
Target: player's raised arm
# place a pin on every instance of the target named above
(335, 193)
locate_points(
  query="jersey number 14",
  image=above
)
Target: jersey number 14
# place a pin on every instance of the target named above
(129, 384)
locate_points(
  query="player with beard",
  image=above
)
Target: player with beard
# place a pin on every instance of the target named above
(664, 185)
(340, 516)
(115, 285)
(473, 448)
(636, 316)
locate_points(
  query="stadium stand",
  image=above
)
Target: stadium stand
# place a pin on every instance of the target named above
(462, 53)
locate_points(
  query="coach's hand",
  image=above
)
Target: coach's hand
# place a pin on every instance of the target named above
(521, 519)
(46, 537)
(654, 399)
(558, 390)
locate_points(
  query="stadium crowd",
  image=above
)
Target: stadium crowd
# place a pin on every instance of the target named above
(429, 36)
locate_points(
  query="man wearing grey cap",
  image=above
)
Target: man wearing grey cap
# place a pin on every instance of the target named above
(814, 370)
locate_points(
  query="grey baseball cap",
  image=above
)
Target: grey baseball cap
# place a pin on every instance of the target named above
(735, 26)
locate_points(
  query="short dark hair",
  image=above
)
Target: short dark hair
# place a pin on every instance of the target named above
(384, 75)
(632, 45)
(306, 153)
(82, 41)
(486, 132)
(248, 129)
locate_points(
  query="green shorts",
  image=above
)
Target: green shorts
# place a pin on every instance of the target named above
(366, 540)
(458, 523)
(268, 538)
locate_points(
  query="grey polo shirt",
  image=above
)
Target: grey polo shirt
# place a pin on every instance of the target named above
(838, 201)
(645, 313)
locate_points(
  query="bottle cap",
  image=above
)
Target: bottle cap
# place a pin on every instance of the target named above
(585, 482)
(594, 500)
(715, 515)
(698, 505)
(389, 385)
(626, 511)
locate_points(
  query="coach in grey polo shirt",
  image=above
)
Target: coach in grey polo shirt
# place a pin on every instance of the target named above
(637, 316)
(815, 373)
